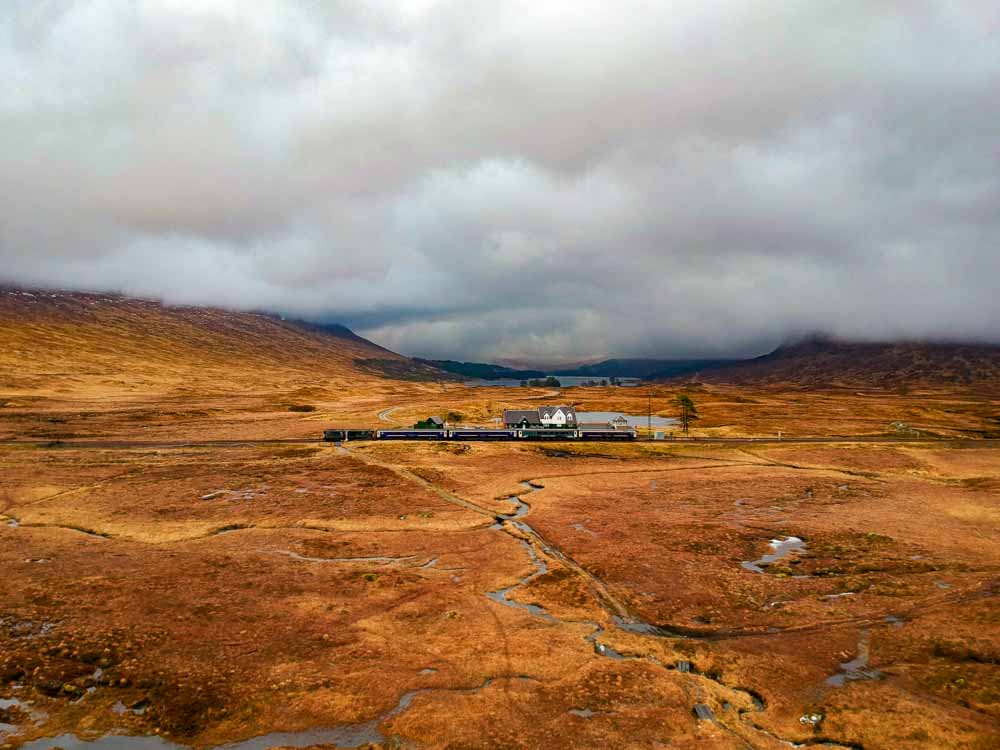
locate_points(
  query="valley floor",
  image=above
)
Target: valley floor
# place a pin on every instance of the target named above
(498, 595)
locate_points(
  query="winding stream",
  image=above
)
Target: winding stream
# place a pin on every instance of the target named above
(356, 735)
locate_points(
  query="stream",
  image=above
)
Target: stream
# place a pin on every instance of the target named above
(356, 735)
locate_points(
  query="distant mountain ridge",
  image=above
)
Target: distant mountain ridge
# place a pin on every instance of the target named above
(480, 370)
(647, 369)
(821, 361)
(619, 367)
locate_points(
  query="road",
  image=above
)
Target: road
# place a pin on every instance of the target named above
(384, 414)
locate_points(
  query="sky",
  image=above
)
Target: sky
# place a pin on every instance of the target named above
(520, 181)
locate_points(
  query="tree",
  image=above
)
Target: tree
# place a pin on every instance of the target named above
(689, 412)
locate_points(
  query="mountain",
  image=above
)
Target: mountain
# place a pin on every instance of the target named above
(641, 368)
(71, 342)
(826, 362)
(482, 370)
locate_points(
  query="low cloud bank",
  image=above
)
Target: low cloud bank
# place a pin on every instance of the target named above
(511, 180)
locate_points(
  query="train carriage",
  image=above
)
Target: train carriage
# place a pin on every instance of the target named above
(483, 433)
(599, 433)
(342, 435)
(547, 433)
(473, 434)
(411, 434)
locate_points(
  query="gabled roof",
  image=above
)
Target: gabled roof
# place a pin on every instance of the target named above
(515, 416)
(547, 411)
(436, 420)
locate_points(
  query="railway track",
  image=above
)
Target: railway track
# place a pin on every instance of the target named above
(84, 443)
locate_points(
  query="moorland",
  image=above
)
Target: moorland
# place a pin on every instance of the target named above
(187, 565)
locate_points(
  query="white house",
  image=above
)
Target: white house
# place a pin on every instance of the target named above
(557, 416)
(544, 416)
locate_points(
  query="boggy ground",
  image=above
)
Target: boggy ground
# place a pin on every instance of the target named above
(211, 595)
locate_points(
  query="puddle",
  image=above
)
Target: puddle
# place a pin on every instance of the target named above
(644, 628)
(347, 736)
(428, 670)
(942, 585)
(781, 549)
(34, 715)
(72, 742)
(857, 668)
(634, 420)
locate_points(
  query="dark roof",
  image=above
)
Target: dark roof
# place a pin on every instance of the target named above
(515, 416)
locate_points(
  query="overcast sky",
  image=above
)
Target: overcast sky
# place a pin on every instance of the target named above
(515, 180)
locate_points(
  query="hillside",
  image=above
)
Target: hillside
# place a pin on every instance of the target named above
(68, 342)
(825, 362)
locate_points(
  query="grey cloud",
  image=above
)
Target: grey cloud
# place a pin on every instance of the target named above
(515, 180)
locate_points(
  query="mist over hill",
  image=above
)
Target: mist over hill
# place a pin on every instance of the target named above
(52, 339)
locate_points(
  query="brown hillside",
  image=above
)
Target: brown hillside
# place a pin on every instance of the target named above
(823, 363)
(74, 342)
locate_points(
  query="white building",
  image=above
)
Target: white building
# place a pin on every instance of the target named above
(544, 416)
(557, 416)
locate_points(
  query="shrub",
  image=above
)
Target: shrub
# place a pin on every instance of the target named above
(301, 407)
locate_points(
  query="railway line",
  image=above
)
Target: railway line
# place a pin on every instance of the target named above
(77, 443)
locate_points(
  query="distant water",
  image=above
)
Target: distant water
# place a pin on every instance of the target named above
(634, 420)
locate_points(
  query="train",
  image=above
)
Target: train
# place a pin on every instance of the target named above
(485, 433)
